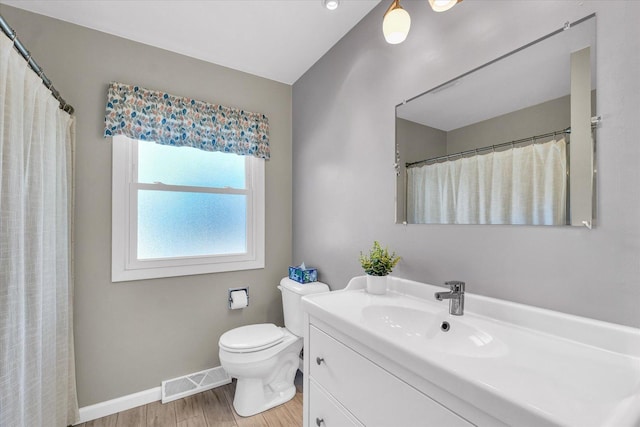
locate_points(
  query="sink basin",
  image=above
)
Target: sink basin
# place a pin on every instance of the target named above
(465, 339)
(460, 338)
(401, 321)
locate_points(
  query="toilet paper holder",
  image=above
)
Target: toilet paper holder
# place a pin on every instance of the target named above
(244, 288)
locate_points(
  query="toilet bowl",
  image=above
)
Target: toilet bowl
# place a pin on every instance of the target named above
(263, 357)
(265, 373)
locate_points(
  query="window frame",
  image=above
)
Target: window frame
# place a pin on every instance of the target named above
(125, 265)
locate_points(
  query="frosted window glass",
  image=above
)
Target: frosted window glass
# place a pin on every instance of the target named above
(189, 166)
(179, 224)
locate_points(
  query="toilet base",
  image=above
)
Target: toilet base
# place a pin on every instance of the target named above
(252, 397)
(265, 378)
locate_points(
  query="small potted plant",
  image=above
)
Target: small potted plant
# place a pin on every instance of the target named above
(378, 264)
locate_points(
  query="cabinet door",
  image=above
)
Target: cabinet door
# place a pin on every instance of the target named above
(324, 411)
(371, 394)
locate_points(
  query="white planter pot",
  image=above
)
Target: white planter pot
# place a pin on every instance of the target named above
(377, 284)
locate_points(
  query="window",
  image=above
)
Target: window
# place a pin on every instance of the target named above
(180, 211)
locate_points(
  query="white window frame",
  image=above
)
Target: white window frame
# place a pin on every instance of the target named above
(124, 263)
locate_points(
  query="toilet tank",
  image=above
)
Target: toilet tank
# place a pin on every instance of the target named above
(292, 293)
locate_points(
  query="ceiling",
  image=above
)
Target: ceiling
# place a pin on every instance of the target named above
(276, 39)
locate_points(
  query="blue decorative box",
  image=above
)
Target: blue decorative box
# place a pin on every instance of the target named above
(305, 275)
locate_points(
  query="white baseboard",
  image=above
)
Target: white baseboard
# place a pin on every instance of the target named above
(119, 404)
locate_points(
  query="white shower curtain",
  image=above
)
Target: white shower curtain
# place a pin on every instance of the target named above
(37, 368)
(524, 185)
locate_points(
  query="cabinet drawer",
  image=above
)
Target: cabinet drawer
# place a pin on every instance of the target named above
(325, 412)
(371, 394)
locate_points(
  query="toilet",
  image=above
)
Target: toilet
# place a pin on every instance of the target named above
(264, 357)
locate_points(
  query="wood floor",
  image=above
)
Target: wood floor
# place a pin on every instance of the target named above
(212, 408)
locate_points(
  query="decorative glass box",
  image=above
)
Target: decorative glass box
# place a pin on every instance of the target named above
(303, 275)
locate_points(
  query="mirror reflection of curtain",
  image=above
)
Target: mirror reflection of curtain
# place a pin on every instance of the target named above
(522, 185)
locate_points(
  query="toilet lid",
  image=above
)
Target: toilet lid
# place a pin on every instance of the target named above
(251, 337)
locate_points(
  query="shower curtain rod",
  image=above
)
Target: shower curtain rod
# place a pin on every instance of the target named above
(491, 147)
(34, 65)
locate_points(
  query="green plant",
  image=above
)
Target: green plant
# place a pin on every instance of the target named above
(379, 262)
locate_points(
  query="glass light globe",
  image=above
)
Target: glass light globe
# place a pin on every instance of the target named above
(331, 4)
(442, 5)
(396, 25)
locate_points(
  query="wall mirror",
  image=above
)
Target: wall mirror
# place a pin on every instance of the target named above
(510, 142)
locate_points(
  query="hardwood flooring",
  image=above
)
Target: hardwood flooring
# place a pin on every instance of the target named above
(212, 408)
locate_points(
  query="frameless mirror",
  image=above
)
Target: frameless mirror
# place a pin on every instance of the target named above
(510, 142)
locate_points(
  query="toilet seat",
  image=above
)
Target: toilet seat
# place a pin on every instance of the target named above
(251, 338)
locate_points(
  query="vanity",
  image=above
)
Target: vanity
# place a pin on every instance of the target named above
(401, 359)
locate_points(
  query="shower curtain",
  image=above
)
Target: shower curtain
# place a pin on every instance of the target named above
(37, 368)
(523, 185)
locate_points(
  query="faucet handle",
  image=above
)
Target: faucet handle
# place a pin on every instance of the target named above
(455, 286)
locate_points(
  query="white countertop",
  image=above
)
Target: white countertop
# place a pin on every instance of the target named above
(515, 362)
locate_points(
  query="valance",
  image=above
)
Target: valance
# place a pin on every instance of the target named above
(157, 116)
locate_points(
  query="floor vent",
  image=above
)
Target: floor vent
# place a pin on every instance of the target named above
(180, 387)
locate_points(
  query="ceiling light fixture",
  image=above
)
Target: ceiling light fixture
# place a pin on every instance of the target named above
(396, 23)
(442, 5)
(331, 4)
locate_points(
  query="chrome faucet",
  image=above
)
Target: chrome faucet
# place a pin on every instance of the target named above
(455, 297)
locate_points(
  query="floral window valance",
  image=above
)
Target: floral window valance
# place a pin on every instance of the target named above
(172, 120)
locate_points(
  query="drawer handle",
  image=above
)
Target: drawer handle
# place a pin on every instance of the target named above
(319, 361)
(319, 421)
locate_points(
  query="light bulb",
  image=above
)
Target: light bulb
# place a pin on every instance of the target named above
(442, 5)
(396, 24)
(331, 4)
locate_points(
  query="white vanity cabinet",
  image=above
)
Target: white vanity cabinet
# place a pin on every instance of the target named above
(326, 411)
(347, 389)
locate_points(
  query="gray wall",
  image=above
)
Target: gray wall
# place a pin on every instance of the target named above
(343, 136)
(535, 120)
(131, 335)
